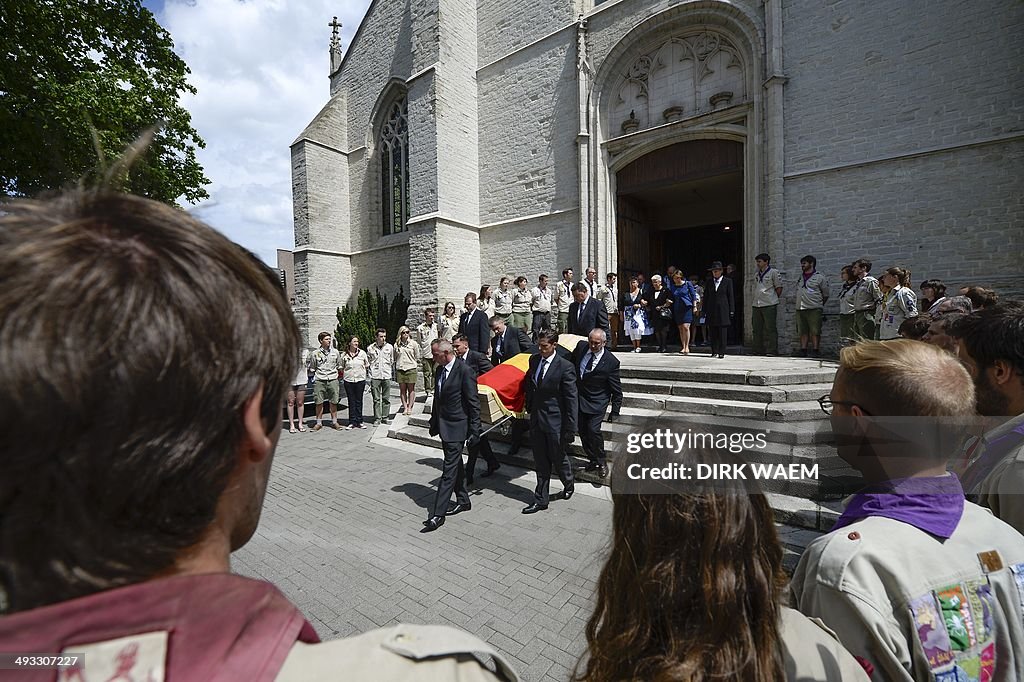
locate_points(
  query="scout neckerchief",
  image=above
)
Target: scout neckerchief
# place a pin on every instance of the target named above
(762, 275)
(807, 276)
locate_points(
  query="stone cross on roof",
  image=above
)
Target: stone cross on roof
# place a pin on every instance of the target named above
(335, 44)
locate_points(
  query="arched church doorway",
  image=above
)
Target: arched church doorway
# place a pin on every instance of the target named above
(682, 205)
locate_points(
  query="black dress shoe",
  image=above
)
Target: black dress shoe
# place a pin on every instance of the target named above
(568, 492)
(721, 357)
(458, 508)
(534, 508)
(432, 524)
(491, 470)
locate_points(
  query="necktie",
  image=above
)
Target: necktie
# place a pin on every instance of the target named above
(440, 378)
(588, 365)
(497, 346)
(541, 371)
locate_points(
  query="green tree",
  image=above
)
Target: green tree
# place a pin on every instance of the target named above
(80, 74)
(372, 311)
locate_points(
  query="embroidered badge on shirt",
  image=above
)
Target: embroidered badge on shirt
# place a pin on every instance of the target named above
(957, 674)
(991, 561)
(979, 595)
(1018, 577)
(931, 631)
(136, 657)
(957, 614)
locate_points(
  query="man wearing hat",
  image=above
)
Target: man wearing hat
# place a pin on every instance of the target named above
(719, 308)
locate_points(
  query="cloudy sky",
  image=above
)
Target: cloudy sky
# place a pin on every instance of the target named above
(260, 67)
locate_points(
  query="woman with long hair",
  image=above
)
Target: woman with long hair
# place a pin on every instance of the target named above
(449, 322)
(355, 365)
(407, 362)
(846, 310)
(692, 587)
(485, 301)
(899, 303)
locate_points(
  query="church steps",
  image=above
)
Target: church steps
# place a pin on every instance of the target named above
(754, 393)
(812, 373)
(772, 412)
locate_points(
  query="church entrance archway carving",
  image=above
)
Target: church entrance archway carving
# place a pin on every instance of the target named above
(676, 99)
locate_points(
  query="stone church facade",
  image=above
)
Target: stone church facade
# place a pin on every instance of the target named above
(465, 140)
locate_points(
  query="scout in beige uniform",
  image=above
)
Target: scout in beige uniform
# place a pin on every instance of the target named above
(155, 598)
(764, 315)
(918, 583)
(425, 653)
(993, 467)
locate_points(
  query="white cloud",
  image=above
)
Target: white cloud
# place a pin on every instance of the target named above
(260, 68)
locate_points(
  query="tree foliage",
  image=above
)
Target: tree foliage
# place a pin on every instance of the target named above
(80, 74)
(371, 312)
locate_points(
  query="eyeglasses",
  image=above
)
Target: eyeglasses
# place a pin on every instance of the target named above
(826, 403)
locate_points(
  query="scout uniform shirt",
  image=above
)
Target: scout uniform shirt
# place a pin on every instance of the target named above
(765, 284)
(812, 291)
(994, 477)
(866, 294)
(810, 651)
(325, 363)
(922, 586)
(900, 304)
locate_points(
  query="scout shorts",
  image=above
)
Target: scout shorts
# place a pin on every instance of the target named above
(809, 322)
(326, 389)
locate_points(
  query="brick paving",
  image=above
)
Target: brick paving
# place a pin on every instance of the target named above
(340, 536)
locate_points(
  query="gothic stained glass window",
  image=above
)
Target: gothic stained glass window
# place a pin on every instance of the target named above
(394, 169)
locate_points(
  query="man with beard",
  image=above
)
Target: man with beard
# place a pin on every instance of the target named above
(915, 581)
(992, 349)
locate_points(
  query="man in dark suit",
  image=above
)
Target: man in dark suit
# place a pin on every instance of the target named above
(718, 307)
(473, 324)
(551, 400)
(455, 416)
(508, 342)
(586, 313)
(599, 384)
(479, 363)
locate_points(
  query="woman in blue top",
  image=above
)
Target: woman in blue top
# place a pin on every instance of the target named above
(684, 297)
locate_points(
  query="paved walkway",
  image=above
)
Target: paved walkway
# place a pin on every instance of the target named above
(340, 536)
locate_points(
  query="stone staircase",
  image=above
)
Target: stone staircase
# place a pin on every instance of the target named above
(776, 396)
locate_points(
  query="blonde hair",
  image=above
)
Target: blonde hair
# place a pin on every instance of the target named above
(917, 379)
(656, 278)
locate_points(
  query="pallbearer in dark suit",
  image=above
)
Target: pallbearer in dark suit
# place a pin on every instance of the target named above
(473, 324)
(597, 372)
(508, 342)
(718, 307)
(479, 363)
(455, 416)
(586, 313)
(551, 400)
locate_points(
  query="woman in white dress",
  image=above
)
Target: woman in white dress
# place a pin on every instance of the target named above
(634, 314)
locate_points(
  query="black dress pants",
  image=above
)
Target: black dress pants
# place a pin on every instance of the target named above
(593, 439)
(483, 447)
(453, 479)
(719, 339)
(549, 454)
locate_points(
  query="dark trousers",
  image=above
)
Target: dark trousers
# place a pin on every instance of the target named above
(453, 478)
(593, 439)
(540, 321)
(549, 454)
(719, 339)
(481, 448)
(354, 393)
(766, 329)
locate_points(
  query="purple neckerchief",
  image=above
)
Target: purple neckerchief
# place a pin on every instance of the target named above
(933, 504)
(995, 450)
